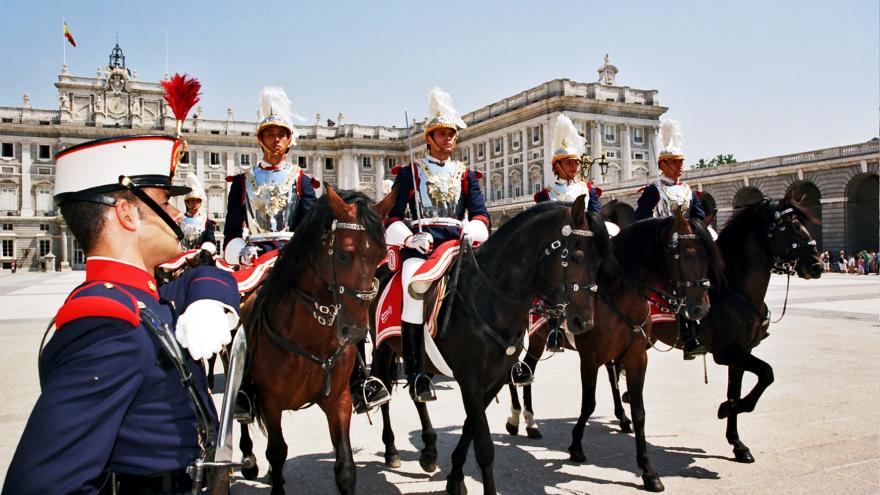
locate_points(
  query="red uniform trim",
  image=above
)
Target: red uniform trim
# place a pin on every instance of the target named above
(484, 219)
(96, 307)
(210, 279)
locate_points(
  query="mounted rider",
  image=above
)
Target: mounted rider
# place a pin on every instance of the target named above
(113, 416)
(197, 227)
(658, 200)
(268, 201)
(568, 146)
(444, 200)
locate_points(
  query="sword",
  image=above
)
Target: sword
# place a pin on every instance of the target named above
(412, 161)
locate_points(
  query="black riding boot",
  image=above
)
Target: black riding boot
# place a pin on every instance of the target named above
(421, 389)
(366, 392)
(555, 337)
(690, 342)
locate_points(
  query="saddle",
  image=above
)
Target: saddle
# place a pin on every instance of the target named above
(428, 283)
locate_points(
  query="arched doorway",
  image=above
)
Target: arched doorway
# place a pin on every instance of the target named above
(707, 201)
(747, 195)
(862, 222)
(808, 195)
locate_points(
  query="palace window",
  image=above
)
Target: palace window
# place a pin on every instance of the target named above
(536, 187)
(536, 134)
(8, 250)
(611, 154)
(497, 145)
(45, 247)
(638, 135)
(366, 163)
(7, 150)
(609, 132)
(44, 152)
(638, 156)
(215, 203)
(245, 159)
(389, 162)
(44, 200)
(8, 198)
(184, 159)
(302, 161)
(328, 163)
(481, 150)
(214, 159)
(7, 226)
(44, 227)
(514, 141)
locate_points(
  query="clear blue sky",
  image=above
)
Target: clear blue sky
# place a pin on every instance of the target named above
(752, 78)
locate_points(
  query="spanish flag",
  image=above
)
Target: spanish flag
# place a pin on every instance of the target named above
(68, 35)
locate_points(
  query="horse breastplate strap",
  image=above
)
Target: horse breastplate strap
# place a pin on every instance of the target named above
(271, 198)
(440, 187)
(567, 191)
(192, 229)
(671, 196)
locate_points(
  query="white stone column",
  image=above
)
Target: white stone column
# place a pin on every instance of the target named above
(230, 170)
(596, 149)
(65, 263)
(523, 137)
(200, 164)
(27, 198)
(653, 147)
(317, 171)
(548, 153)
(488, 191)
(626, 159)
(348, 172)
(505, 167)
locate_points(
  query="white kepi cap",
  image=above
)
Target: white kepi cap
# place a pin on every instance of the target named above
(87, 171)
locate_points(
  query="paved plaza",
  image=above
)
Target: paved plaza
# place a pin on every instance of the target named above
(814, 431)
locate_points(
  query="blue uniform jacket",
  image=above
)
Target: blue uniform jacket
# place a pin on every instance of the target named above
(651, 196)
(109, 400)
(470, 202)
(236, 213)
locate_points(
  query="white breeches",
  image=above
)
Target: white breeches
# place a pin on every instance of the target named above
(413, 309)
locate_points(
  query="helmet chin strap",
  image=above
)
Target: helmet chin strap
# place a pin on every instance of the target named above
(147, 200)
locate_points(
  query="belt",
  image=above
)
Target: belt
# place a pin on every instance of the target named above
(169, 482)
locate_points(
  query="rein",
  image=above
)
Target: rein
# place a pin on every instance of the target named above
(325, 315)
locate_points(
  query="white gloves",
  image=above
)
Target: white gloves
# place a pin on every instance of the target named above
(421, 242)
(247, 255)
(204, 328)
(475, 232)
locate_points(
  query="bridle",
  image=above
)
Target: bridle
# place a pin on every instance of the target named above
(324, 314)
(786, 263)
(675, 301)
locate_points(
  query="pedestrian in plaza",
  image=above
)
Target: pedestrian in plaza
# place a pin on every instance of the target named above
(826, 261)
(14, 266)
(841, 262)
(113, 416)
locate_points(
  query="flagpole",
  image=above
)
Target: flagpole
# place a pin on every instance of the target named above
(64, 42)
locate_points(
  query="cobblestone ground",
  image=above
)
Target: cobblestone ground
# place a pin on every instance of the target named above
(814, 431)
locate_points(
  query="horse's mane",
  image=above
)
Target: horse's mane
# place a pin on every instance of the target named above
(754, 219)
(640, 246)
(308, 240)
(513, 229)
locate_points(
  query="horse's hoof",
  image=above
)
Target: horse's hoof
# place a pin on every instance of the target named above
(626, 426)
(725, 409)
(577, 455)
(428, 462)
(512, 429)
(625, 397)
(534, 433)
(743, 456)
(392, 460)
(653, 483)
(456, 487)
(249, 468)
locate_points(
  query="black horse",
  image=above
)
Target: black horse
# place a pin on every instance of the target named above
(553, 251)
(758, 240)
(670, 252)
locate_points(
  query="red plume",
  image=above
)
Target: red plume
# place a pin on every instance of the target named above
(181, 94)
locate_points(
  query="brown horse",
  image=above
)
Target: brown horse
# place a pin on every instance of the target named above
(759, 239)
(302, 322)
(670, 252)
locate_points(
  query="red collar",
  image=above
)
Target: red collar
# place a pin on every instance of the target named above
(99, 269)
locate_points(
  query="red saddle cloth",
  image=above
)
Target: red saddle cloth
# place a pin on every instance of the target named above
(177, 263)
(249, 278)
(390, 307)
(657, 304)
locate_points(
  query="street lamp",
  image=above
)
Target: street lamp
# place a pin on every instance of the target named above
(587, 164)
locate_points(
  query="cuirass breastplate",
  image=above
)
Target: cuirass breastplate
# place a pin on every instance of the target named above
(440, 188)
(672, 195)
(271, 198)
(192, 228)
(560, 191)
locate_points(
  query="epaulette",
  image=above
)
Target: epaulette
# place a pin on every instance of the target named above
(698, 193)
(396, 169)
(598, 191)
(99, 300)
(478, 174)
(540, 195)
(230, 178)
(315, 182)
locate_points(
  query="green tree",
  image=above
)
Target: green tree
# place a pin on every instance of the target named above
(721, 159)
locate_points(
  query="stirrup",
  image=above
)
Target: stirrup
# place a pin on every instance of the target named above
(426, 395)
(521, 374)
(244, 416)
(372, 394)
(698, 349)
(558, 341)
